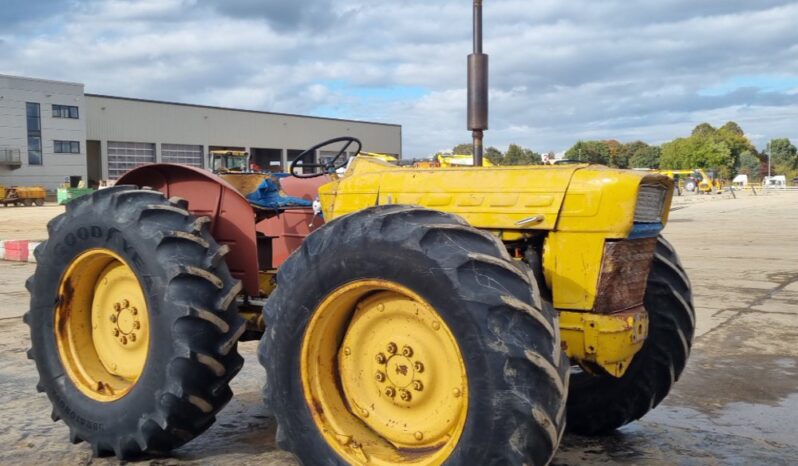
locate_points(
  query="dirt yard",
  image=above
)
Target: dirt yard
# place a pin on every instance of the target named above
(735, 403)
(27, 222)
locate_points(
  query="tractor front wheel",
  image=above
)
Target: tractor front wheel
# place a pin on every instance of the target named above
(402, 335)
(601, 403)
(133, 322)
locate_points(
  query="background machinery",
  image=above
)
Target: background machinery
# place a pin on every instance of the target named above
(22, 195)
(406, 315)
(694, 180)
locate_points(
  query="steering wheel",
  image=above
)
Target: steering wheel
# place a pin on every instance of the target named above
(326, 168)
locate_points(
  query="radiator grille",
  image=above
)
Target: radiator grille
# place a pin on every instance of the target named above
(650, 203)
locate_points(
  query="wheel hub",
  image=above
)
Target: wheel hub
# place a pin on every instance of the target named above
(409, 398)
(101, 292)
(399, 375)
(384, 376)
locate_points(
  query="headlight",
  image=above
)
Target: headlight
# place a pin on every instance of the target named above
(650, 203)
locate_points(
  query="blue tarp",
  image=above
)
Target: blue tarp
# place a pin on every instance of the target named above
(269, 196)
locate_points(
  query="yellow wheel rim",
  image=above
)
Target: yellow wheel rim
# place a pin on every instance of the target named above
(102, 325)
(383, 376)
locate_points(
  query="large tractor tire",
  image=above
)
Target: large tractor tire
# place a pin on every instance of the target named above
(133, 322)
(399, 334)
(598, 404)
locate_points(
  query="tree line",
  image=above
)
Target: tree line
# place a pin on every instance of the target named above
(724, 150)
(515, 154)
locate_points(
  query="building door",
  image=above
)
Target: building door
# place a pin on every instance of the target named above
(94, 164)
(182, 153)
(125, 156)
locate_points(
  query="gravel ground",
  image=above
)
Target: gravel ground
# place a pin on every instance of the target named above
(735, 403)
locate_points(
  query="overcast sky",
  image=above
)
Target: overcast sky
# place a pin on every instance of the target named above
(561, 70)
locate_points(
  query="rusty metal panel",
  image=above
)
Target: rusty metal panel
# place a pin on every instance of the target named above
(623, 275)
(232, 218)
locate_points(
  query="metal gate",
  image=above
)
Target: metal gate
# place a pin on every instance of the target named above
(124, 156)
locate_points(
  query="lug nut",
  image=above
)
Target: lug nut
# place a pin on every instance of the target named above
(379, 376)
(125, 303)
(134, 311)
(390, 392)
(418, 366)
(132, 337)
(405, 395)
(391, 348)
(407, 351)
(117, 307)
(115, 332)
(381, 358)
(113, 318)
(136, 325)
(123, 340)
(417, 385)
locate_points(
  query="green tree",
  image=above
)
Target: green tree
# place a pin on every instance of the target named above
(707, 147)
(641, 155)
(463, 149)
(618, 156)
(783, 153)
(750, 164)
(494, 155)
(732, 127)
(517, 155)
(589, 151)
(703, 129)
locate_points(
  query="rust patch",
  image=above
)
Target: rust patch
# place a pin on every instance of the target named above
(624, 274)
(316, 406)
(418, 453)
(63, 305)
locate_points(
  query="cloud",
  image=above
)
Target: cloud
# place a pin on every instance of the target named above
(18, 11)
(560, 71)
(281, 15)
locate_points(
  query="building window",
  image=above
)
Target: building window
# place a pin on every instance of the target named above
(33, 114)
(66, 147)
(34, 117)
(65, 111)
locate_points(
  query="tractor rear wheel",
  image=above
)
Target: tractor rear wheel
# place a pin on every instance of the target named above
(601, 403)
(133, 322)
(399, 334)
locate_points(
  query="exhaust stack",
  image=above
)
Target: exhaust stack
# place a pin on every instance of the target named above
(478, 88)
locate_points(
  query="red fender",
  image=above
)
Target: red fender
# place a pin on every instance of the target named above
(232, 218)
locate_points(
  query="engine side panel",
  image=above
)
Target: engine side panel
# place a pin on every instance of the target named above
(493, 198)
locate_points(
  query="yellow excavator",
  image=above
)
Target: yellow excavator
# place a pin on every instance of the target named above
(697, 180)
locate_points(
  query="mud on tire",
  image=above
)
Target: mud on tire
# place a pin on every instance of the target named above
(598, 404)
(517, 374)
(193, 318)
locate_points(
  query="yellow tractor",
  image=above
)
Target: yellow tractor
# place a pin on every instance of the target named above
(406, 316)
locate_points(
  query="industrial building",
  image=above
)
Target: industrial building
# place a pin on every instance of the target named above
(51, 131)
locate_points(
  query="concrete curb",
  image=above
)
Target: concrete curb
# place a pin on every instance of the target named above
(18, 250)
